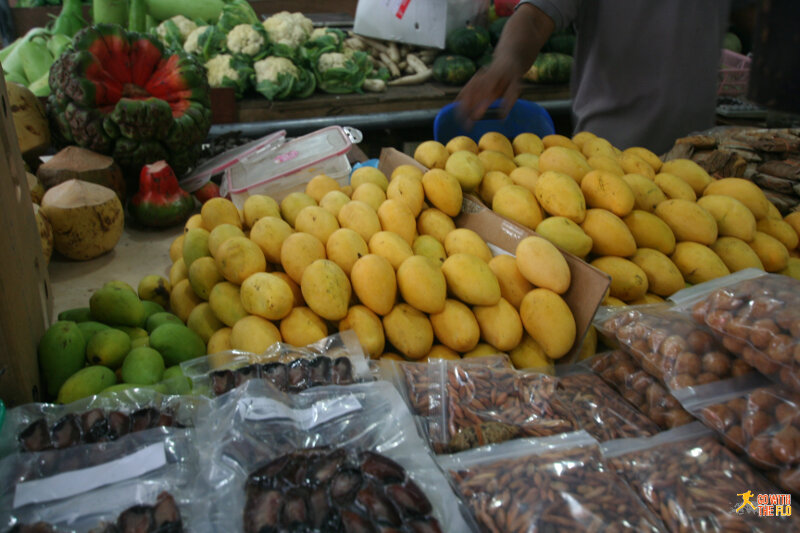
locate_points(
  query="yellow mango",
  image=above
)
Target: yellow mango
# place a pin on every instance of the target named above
(361, 218)
(542, 264)
(792, 268)
(370, 194)
(178, 271)
(646, 193)
(609, 233)
(203, 321)
(580, 138)
(226, 302)
(220, 341)
(698, 263)
(529, 355)
(259, 206)
(513, 285)
(598, 146)
(368, 174)
(222, 233)
(298, 251)
(491, 183)
(409, 330)
(317, 188)
(560, 195)
(435, 223)
(649, 157)
(527, 143)
(549, 321)
(408, 189)
(663, 277)
(688, 221)
(326, 289)
(518, 204)
(471, 280)
(606, 190)
(176, 248)
(194, 221)
(481, 350)
(773, 212)
(267, 296)
(406, 169)
(607, 163)
(780, 230)
(269, 233)
(651, 298)
(628, 280)
(773, 254)
(368, 328)
(733, 218)
(493, 140)
(429, 247)
(565, 160)
(793, 219)
(525, 176)
(238, 258)
(317, 221)
(455, 326)
(391, 247)
(610, 301)
(396, 217)
(203, 275)
(422, 284)
(466, 167)
(254, 334)
(743, 190)
(556, 139)
(690, 172)
(736, 254)
(440, 351)
(431, 154)
(293, 203)
(463, 240)
(302, 327)
(500, 324)
(218, 211)
(461, 142)
(443, 191)
(344, 247)
(333, 202)
(297, 294)
(374, 283)
(649, 231)
(195, 245)
(527, 160)
(182, 299)
(565, 234)
(633, 164)
(674, 187)
(493, 160)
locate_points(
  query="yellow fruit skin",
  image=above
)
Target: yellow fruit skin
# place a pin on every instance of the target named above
(317, 221)
(471, 280)
(646, 193)
(598, 146)
(500, 324)
(344, 247)
(663, 277)
(743, 190)
(361, 218)
(481, 350)
(606, 163)
(649, 157)
(409, 330)
(628, 280)
(375, 283)
(259, 206)
(609, 233)
(238, 258)
(219, 211)
(85, 382)
(491, 183)
(513, 285)
(556, 139)
(793, 219)
(298, 251)
(633, 164)
(608, 191)
(220, 341)
(461, 142)
(435, 223)
(254, 334)
(736, 254)
(203, 321)
(455, 326)
(267, 296)
(549, 321)
(649, 231)
(528, 354)
(733, 218)
(302, 327)
(326, 289)
(333, 202)
(292, 204)
(368, 174)
(154, 288)
(527, 143)
(518, 204)
(688, 221)
(368, 328)
(542, 264)
(674, 187)
(565, 234)
(422, 284)
(182, 299)
(560, 195)
(429, 247)
(177, 272)
(524, 176)
(439, 351)
(225, 301)
(203, 275)
(370, 194)
(318, 187)
(698, 263)
(391, 247)
(431, 154)
(792, 268)
(463, 240)
(395, 216)
(466, 167)
(408, 190)
(690, 172)
(269, 233)
(773, 254)
(589, 344)
(443, 191)
(493, 140)
(492, 160)
(780, 230)
(564, 160)
(195, 245)
(176, 248)
(222, 233)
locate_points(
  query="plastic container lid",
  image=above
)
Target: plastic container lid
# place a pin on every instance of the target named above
(262, 167)
(216, 165)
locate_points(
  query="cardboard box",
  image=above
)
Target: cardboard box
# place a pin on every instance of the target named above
(25, 297)
(588, 285)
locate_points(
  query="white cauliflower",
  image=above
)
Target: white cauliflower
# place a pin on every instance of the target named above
(268, 69)
(331, 60)
(291, 29)
(184, 25)
(244, 39)
(190, 45)
(219, 67)
(317, 33)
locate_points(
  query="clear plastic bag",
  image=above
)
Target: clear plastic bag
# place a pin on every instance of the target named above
(620, 371)
(323, 429)
(757, 319)
(600, 410)
(469, 403)
(550, 484)
(37, 427)
(756, 418)
(90, 485)
(338, 359)
(669, 345)
(693, 482)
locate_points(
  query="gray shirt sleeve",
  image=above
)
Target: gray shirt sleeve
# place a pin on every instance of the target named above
(563, 12)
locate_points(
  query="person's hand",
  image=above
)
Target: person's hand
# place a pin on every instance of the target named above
(500, 79)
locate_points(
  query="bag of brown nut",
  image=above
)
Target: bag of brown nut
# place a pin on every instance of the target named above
(550, 484)
(756, 418)
(669, 345)
(643, 391)
(465, 404)
(756, 319)
(694, 483)
(600, 410)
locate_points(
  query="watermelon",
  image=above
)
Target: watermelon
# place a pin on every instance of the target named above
(470, 41)
(561, 42)
(453, 69)
(550, 67)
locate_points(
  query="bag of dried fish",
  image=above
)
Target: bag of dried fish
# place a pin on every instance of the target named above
(325, 459)
(550, 484)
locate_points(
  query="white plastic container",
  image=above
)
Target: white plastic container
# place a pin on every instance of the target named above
(289, 167)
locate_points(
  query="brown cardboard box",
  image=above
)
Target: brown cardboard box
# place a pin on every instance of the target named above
(588, 286)
(25, 297)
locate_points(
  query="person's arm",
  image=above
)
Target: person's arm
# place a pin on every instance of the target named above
(526, 31)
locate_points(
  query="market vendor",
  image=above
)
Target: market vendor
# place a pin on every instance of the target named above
(644, 73)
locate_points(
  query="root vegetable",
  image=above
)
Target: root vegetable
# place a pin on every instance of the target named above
(375, 85)
(416, 63)
(391, 65)
(393, 52)
(412, 79)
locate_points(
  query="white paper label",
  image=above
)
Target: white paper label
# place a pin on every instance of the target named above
(322, 411)
(83, 480)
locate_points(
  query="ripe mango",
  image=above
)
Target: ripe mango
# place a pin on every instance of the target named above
(298, 251)
(471, 280)
(391, 247)
(317, 221)
(333, 202)
(368, 174)
(431, 154)
(269, 233)
(688, 221)
(541, 263)
(633, 164)
(698, 263)
(628, 280)
(429, 247)
(259, 206)
(143, 366)
(649, 231)
(780, 230)
(549, 321)
(466, 167)
(409, 330)
(564, 160)
(513, 285)
(408, 189)
(203, 321)
(491, 183)
(154, 288)
(565, 234)
(455, 326)
(646, 193)
(85, 382)
(203, 275)
(674, 187)
(494, 140)
(396, 217)
(663, 277)
(606, 190)
(326, 289)
(649, 157)
(736, 254)
(773, 254)
(464, 240)
(176, 343)
(225, 300)
(368, 328)
(743, 190)
(183, 299)
(195, 245)
(500, 324)
(61, 353)
(117, 306)
(435, 223)
(267, 296)
(293, 203)
(370, 194)
(443, 191)
(344, 247)
(609, 233)
(360, 217)
(733, 218)
(302, 326)
(529, 354)
(238, 258)
(254, 334)
(519, 204)
(220, 341)
(690, 172)
(560, 195)
(374, 283)
(422, 284)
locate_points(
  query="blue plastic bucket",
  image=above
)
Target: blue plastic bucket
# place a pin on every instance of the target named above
(525, 117)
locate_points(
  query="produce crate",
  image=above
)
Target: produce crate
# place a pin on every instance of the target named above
(25, 296)
(734, 74)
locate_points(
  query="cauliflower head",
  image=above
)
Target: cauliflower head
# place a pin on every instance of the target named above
(191, 45)
(290, 29)
(278, 78)
(331, 60)
(245, 39)
(225, 70)
(177, 28)
(270, 68)
(339, 73)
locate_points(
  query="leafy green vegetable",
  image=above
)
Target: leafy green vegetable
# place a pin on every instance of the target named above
(236, 12)
(339, 73)
(277, 78)
(208, 42)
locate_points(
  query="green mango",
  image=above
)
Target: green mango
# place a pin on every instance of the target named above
(177, 343)
(133, 333)
(153, 321)
(86, 382)
(61, 351)
(90, 327)
(120, 387)
(143, 366)
(117, 306)
(195, 245)
(76, 314)
(108, 348)
(139, 342)
(151, 308)
(175, 381)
